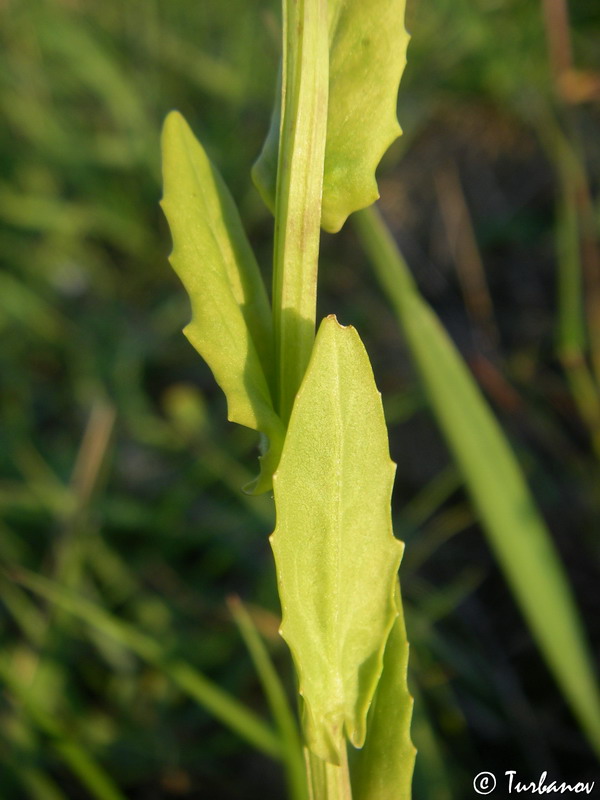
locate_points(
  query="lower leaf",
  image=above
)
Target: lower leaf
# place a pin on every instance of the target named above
(335, 552)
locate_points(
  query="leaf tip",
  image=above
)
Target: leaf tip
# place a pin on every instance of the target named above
(174, 123)
(332, 318)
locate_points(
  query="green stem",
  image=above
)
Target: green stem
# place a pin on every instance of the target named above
(572, 338)
(328, 781)
(305, 87)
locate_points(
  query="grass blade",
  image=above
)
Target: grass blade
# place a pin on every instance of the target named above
(278, 702)
(515, 529)
(221, 705)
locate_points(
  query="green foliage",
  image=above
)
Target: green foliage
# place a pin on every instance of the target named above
(335, 552)
(384, 766)
(367, 56)
(231, 323)
(511, 520)
(226, 708)
(83, 764)
(334, 549)
(89, 314)
(291, 745)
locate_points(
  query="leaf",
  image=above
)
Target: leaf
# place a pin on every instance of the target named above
(511, 521)
(367, 47)
(335, 552)
(383, 768)
(231, 322)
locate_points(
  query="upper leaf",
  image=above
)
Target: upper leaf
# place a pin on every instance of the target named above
(368, 44)
(231, 321)
(335, 552)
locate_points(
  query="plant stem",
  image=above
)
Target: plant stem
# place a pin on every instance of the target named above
(328, 781)
(305, 87)
(574, 337)
(571, 314)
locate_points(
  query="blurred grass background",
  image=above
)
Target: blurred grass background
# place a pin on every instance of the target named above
(119, 476)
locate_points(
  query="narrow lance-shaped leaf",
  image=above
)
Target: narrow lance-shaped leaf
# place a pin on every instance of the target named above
(383, 768)
(367, 45)
(335, 552)
(231, 321)
(514, 526)
(287, 727)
